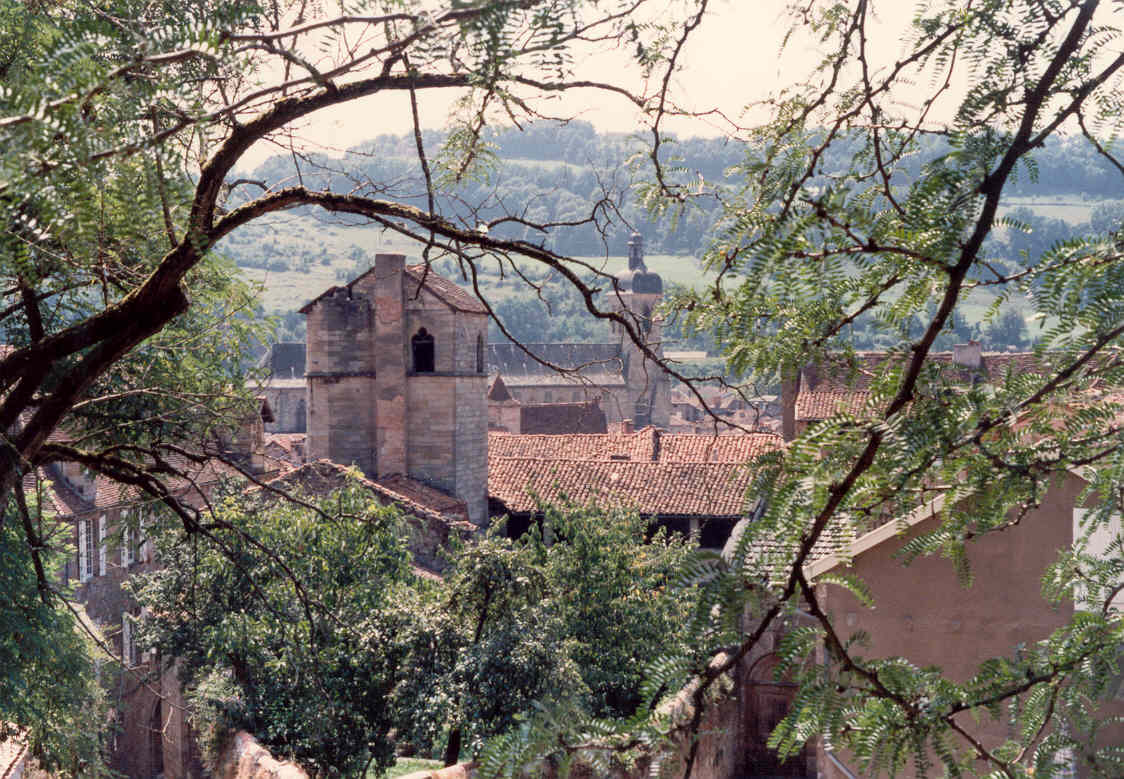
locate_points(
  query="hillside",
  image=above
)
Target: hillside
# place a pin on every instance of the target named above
(561, 173)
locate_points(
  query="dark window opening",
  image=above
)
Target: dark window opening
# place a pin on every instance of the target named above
(423, 352)
(479, 353)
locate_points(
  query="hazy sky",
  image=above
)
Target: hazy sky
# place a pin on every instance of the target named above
(732, 60)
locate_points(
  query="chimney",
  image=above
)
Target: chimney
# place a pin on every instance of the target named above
(390, 365)
(626, 426)
(969, 355)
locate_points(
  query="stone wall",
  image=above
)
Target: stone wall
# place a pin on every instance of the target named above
(471, 446)
(289, 402)
(342, 420)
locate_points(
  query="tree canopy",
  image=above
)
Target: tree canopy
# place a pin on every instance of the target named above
(122, 123)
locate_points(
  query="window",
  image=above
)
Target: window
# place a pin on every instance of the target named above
(480, 353)
(102, 548)
(423, 346)
(128, 645)
(85, 550)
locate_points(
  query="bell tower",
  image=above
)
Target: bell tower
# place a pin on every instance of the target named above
(636, 296)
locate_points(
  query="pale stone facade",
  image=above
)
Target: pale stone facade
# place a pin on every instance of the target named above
(396, 381)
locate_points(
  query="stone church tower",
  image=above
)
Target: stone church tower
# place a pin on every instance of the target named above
(637, 294)
(396, 381)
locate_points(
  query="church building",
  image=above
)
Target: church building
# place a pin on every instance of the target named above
(396, 379)
(626, 384)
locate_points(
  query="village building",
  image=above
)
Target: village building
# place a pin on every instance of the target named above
(625, 382)
(396, 383)
(284, 386)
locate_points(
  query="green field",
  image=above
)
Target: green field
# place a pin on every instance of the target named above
(343, 251)
(406, 765)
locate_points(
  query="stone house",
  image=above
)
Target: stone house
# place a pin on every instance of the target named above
(283, 386)
(687, 483)
(927, 615)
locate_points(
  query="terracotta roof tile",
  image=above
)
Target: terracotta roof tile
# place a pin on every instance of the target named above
(323, 476)
(737, 448)
(652, 488)
(445, 289)
(289, 448)
(648, 444)
(822, 404)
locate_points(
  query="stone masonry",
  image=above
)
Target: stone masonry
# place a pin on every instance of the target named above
(396, 381)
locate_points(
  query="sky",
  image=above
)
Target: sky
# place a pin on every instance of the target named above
(733, 59)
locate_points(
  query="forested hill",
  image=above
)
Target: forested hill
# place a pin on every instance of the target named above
(550, 173)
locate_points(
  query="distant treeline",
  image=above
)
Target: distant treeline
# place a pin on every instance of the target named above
(550, 173)
(558, 173)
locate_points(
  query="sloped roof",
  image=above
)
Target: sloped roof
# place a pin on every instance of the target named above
(562, 418)
(737, 448)
(822, 404)
(440, 287)
(286, 447)
(285, 360)
(648, 444)
(842, 385)
(514, 363)
(444, 289)
(665, 489)
(321, 477)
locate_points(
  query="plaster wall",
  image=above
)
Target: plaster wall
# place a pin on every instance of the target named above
(924, 614)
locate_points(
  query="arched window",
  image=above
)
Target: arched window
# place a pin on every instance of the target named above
(423, 352)
(479, 352)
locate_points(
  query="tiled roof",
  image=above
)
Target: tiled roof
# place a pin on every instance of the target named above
(842, 373)
(553, 418)
(442, 288)
(592, 359)
(323, 476)
(419, 497)
(842, 385)
(285, 360)
(648, 444)
(739, 448)
(822, 404)
(651, 488)
(286, 447)
(446, 290)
